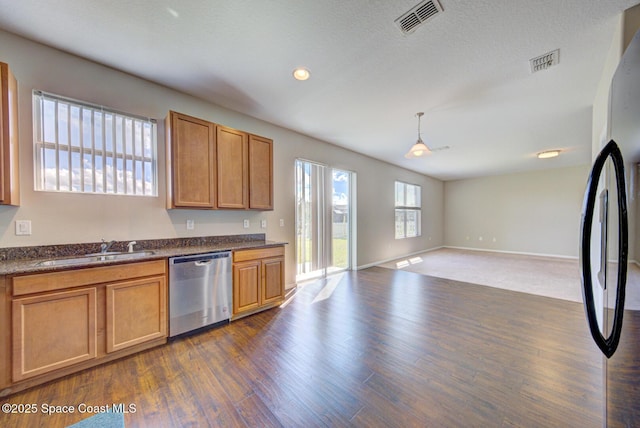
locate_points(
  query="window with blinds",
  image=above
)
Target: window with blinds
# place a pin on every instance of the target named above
(408, 210)
(86, 148)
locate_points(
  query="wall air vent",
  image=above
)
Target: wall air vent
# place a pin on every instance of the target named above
(545, 61)
(418, 15)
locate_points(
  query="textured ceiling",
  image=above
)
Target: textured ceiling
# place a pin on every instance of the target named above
(467, 69)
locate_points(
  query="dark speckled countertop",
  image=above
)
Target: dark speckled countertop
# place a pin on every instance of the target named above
(20, 260)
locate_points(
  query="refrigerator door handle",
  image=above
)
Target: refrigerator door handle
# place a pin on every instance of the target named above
(604, 238)
(609, 344)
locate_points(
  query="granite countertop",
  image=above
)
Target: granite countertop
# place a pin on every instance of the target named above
(22, 260)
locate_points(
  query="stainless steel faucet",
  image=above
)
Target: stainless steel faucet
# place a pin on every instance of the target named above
(104, 247)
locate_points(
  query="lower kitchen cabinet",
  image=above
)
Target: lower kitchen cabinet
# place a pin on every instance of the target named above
(52, 331)
(65, 321)
(272, 280)
(246, 286)
(258, 279)
(136, 312)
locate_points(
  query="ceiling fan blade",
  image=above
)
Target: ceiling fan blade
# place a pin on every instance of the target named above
(438, 149)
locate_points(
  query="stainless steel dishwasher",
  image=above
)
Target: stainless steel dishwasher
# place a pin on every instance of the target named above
(199, 291)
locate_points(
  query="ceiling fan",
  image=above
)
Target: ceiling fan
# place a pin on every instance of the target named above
(420, 148)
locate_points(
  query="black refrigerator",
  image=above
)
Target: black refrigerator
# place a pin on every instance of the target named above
(610, 247)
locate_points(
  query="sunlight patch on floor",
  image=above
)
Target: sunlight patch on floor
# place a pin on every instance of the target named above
(328, 289)
(405, 263)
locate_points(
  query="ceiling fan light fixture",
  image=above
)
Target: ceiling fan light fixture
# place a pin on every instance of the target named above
(419, 148)
(549, 154)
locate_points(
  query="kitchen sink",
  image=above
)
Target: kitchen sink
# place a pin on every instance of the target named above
(98, 257)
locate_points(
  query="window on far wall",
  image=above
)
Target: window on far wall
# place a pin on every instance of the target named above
(408, 210)
(84, 148)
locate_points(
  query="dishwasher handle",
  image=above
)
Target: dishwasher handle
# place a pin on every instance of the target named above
(200, 259)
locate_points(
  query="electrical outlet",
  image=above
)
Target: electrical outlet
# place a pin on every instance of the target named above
(190, 225)
(245, 223)
(263, 223)
(281, 222)
(23, 227)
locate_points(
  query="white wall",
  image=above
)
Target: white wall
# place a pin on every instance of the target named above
(69, 218)
(600, 109)
(535, 212)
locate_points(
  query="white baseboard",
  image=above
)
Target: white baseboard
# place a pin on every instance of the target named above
(522, 253)
(368, 265)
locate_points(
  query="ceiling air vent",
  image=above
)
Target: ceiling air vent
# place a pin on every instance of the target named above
(545, 61)
(418, 15)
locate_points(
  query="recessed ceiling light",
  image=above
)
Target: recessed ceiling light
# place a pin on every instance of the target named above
(548, 154)
(301, 73)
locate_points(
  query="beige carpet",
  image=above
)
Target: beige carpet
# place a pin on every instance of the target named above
(545, 276)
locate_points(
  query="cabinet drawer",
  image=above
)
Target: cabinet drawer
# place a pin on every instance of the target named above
(40, 282)
(258, 253)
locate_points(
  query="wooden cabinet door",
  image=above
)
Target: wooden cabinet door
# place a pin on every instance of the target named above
(232, 168)
(136, 312)
(246, 286)
(272, 280)
(191, 162)
(53, 330)
(4, 131)
(9, 178)
(260, 173)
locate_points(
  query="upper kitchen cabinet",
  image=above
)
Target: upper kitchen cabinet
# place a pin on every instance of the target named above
(211, 166)
(260, 173)
(245, 170)
(232, 162)
(9, 184)
(191, 162)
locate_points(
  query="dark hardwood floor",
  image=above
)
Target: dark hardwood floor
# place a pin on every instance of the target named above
(373, 348)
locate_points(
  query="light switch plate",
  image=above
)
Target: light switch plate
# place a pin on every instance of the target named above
(23, 227)
(263, 223)
(281, 222)
(190, 225)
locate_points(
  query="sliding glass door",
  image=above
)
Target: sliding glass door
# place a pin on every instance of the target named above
(340, 221)
(310, 220)
(323, 219)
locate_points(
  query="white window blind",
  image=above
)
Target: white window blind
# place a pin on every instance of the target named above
(408, 207)
(84, 148)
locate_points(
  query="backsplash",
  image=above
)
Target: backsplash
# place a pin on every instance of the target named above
(65, 250)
